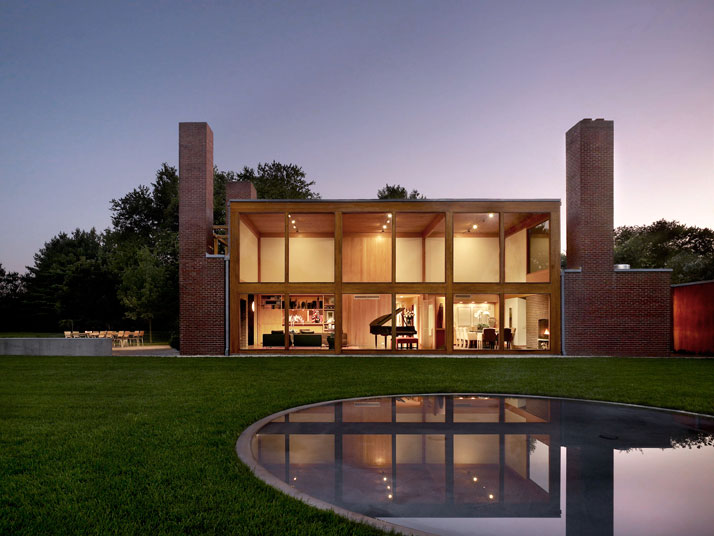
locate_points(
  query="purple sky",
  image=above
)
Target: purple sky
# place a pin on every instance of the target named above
(455, 99)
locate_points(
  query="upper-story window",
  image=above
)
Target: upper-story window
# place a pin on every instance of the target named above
(262, 247)
(311, 247)
(476, 247)
(527, 247)
(420, 247)
(367, 247)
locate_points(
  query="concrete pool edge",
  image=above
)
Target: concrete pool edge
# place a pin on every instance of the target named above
(245, 453)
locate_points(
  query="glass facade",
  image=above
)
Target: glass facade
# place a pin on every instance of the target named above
(445, 277)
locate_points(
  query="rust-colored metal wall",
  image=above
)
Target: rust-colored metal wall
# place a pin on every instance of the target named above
(693, 317)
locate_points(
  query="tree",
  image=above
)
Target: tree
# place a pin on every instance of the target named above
(12, 293)
(143, 286)
(72, 280)
(143, 247)
(146, 212)
(397, 192)
(271, 181)
(688, 251)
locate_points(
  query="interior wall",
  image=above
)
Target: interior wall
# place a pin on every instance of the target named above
(367, 258)
(435, 262)
(312, 259)
(518, 307)
(356, 316)
(516, 455)
(311, 448)
(267, 320)
(476, 259)
(248, 254)
(272, 259)
(417, 449)
(409, 259)
(516, 261)
(538, 306)
(475, 449)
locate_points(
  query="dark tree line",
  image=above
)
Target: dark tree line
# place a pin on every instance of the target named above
(125, 277)
(687, 250)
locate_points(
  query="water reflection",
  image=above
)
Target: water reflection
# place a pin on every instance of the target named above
(461, 464)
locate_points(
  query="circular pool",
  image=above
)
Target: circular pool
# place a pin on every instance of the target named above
(458, 464)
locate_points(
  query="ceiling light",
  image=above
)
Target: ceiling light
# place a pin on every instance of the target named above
(293, 221)
(490, 214)
(474, 226)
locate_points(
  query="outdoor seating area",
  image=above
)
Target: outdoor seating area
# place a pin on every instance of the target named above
(119, 338)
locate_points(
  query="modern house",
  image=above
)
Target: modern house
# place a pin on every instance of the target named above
(422, 276)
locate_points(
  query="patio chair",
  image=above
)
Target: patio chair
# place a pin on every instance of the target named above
(67, 334)
(139, 337)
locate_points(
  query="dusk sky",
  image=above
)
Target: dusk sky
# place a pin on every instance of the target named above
(455, 99)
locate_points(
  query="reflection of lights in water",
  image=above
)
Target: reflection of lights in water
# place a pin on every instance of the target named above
(475, 479)
(490, 495)
(389, 487)
(384, 478)
(294, 478)
(389, 496)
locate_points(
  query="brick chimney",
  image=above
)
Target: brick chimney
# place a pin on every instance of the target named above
(589, 195)
(195, 190)
(201, 277)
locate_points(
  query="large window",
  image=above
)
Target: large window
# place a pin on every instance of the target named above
(420, 247)
(420, 322)
(527, 319)
(262, 247)
(527, 247)
(312, 247)
(476, 322)
(312, 321)
(262, 322)
(367, 321)
(367, 247)
(476, 249)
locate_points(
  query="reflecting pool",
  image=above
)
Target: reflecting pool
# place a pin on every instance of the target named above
(497, 465)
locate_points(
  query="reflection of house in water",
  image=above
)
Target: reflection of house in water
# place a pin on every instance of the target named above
(463, 456)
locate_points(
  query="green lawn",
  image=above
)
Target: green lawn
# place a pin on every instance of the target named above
(135, 445)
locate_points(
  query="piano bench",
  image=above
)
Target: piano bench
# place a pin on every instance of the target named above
(409, 341)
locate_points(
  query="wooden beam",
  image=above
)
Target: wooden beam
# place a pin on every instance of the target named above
(449, 313)
(527, 223)
(338, 282)
(233, 253)
(245, 218)
(433, 224)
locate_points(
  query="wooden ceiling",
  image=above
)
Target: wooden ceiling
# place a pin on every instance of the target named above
(487, 224)
(407, 223)
(475, 299)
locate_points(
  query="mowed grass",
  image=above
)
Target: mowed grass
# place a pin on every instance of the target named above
(138, 445)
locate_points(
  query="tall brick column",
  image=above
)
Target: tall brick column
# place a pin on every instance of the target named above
(589, 194)
(607, 311)
(201, 276)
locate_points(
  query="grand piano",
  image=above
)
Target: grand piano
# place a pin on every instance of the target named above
(377, 327)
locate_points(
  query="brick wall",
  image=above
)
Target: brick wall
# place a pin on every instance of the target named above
(607, 312)
(201, 278)
(537, 307)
